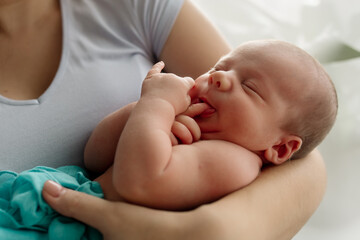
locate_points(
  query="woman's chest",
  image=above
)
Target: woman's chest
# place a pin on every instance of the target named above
(29, 59)
(53, 130)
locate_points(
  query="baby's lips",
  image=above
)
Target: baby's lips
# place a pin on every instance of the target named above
(195, 100)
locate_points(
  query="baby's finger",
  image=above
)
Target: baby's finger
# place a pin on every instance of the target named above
(156, 68)
(173, 139)
(195, 109)
(190, 125)
(189, 82)
(182, 133)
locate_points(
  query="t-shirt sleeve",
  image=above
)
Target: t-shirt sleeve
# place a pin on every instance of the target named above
(157, 18)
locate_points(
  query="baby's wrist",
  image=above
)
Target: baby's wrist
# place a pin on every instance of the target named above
(179, 105)
(158, 103)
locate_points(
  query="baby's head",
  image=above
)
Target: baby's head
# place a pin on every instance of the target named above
(270, 97)
(312, 101)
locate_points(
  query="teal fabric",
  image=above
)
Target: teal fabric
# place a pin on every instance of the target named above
(25, 215)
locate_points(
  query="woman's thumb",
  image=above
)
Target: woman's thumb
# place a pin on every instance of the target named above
(78, 205)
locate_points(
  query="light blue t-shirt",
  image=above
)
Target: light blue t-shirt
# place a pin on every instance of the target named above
(108, 47)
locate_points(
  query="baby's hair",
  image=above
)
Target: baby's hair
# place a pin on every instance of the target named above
(318, 110)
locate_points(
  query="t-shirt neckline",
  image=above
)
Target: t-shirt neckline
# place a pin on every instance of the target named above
(60, 70)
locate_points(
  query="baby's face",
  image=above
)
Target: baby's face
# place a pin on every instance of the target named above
(249, 93)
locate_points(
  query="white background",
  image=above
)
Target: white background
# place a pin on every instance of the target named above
(330, 31)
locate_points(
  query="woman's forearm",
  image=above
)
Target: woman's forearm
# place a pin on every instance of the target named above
(100, 149)
(273, 207)
(276, 205)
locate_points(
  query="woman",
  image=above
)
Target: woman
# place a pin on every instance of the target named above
(67, 64)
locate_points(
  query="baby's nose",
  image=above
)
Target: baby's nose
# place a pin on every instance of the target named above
(220, 81)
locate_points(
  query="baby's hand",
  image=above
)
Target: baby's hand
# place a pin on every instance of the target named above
(169, 87)
(185, 129)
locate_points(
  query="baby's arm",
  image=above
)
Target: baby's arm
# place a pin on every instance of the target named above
(101, 146)
(148, 170)
(145, 148)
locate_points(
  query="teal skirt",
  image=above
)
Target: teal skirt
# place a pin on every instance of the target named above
(25, 215)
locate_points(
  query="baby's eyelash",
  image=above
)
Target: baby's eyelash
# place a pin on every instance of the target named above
(251, 88)
(248, 85)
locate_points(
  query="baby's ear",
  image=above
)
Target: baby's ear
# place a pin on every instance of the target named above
(283, 150)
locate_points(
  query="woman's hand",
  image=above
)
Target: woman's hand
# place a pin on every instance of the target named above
(120, 220)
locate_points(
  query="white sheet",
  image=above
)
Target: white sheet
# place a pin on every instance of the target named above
(330, 31)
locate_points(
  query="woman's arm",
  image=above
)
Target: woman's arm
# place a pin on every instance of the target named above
(277, 204)
(194, 44)
(100, 149)
(273, 207)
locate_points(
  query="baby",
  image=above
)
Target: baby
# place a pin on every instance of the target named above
(265, 102)
(186, 143)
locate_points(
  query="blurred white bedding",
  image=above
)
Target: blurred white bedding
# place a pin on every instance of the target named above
(330, 31)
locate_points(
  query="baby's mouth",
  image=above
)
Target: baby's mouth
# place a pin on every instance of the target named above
(208, 111)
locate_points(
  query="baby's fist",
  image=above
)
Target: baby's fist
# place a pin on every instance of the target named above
(167, 86)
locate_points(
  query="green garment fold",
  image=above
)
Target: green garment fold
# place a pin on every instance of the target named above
(24, 214)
